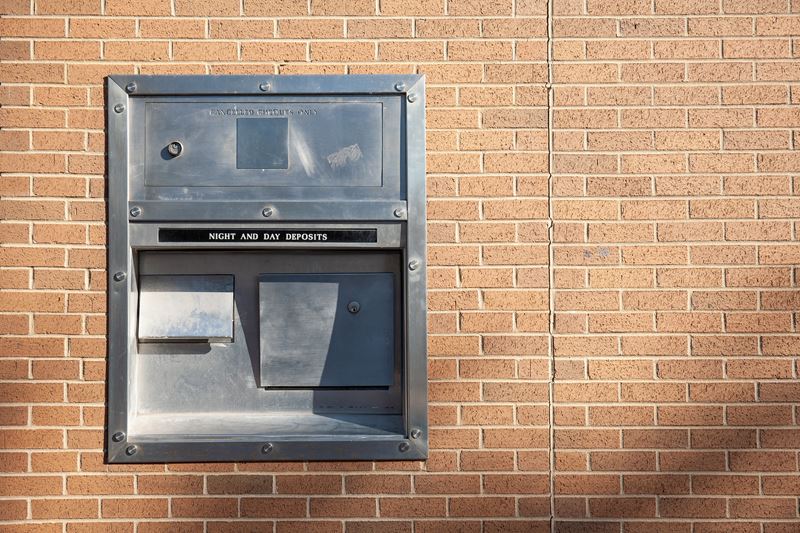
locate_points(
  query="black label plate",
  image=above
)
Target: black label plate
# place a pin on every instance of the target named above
(266, 235)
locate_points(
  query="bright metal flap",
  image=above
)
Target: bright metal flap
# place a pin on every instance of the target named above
(186, 308)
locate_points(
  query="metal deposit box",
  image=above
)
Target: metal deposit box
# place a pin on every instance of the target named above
(266, 268)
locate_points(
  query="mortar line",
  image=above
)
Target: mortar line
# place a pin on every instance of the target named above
(550, 268)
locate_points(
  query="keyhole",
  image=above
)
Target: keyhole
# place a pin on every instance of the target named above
(174, 148)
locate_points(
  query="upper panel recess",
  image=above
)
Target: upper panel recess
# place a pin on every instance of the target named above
(264, 143)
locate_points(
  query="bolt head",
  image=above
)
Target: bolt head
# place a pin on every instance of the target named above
(413, 264)
(267, 448)
(119, 108)
(131, 87)
(354, 307)
(266, 212)
(119, 436)
(119, 276)
(415, 433)
(399, 86)
(404, 447)
(412, 97)
(136, 211)
(131, 450)
(399, 212)
(264, 87)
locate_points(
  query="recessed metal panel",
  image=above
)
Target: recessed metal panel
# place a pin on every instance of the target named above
(327, 330)
(186, 308)
(262, 143)
(330, 144)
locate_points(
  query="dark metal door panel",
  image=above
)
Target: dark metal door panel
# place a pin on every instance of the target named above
(327, 330)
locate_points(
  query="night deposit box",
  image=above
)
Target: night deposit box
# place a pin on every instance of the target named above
(266, 268)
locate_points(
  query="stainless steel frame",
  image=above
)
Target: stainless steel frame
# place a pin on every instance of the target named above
(134, 221)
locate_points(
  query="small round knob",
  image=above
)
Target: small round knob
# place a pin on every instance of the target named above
(354, 307)
(174, 148)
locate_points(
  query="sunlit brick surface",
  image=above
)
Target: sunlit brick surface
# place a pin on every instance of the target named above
(674, 261)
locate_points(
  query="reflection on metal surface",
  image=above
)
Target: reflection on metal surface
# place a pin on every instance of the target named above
(344, 156)
(187, 308)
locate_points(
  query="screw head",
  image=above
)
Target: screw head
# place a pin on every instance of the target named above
(131, 87)
(399, 212)
(131, 450)
(415, 433)
(119, 436)
(399, 86)
(267, 212)
(136, 211)
(119, 276)
(404, 447)
(174, 148)
(413, 264)
(412, 97)
(267, 448)
(264, 87)
(354, 307)
(119, 108)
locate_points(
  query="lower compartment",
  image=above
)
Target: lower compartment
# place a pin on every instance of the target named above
(315, 348)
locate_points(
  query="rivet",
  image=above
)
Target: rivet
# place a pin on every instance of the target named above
(354, 307)
(404, 447)
(412, 97)
(119, 276)
(267, 212)
(136, 211)
(264, 87)
(415, 433)
(119, 108)
(131, 87)
(413, 264)
(131, 450)
(399, 212)
(399, 86)
(267, 448)
(119, 436)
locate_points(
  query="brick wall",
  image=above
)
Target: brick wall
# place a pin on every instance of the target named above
(663, 155)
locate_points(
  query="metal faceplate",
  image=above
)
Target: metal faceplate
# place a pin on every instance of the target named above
(266, 268)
